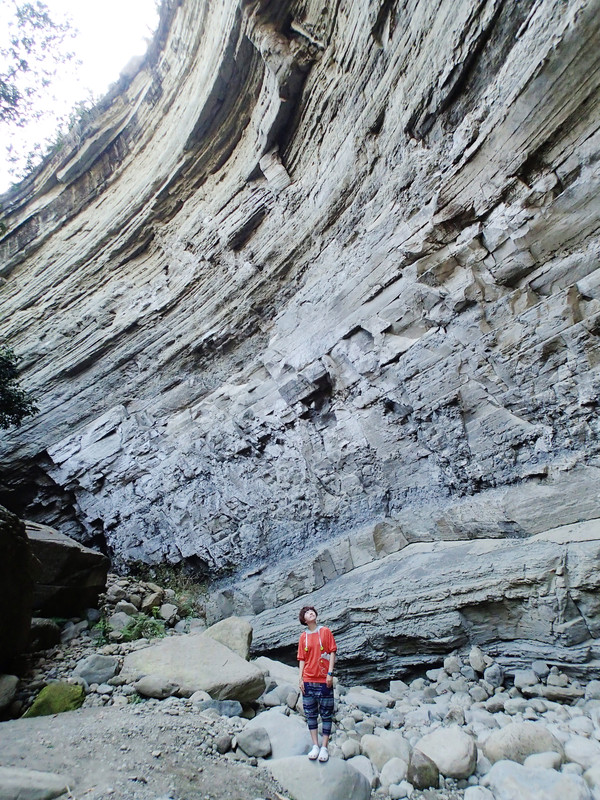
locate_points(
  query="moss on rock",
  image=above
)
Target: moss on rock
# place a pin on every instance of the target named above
(56, 698)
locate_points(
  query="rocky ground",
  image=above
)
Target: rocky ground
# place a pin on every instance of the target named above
(482, 734)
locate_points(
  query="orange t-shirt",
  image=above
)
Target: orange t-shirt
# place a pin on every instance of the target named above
(314, 649)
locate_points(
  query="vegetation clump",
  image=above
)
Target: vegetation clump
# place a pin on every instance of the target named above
(143, 627)
(15, 403)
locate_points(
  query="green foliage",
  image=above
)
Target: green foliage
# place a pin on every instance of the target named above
(134, 699)
(15, 403)
(31, 52)
(143, 627)
(189, 591)
(56, 698)
(188, 606)
(102, 628)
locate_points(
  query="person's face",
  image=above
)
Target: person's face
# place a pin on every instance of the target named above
(309, 616)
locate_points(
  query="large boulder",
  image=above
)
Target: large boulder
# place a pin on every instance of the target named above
(96, 668)
(255, 741)
(16, 586)
(583, 751)
(289, 736)
(281, 673)
(380, 749)
(422, 770)
(509, 781)
(43, 634)
(452, 750)
(55, 698)
(68, 576)
(197, 662)
(235, 633)
(518, 740)
(310, 780)
(29, 784)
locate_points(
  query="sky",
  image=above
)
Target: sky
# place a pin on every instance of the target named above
(109, 34)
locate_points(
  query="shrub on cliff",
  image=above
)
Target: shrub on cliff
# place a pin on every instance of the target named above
(15, 403)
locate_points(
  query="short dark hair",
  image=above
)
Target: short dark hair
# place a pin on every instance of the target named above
(303, 611)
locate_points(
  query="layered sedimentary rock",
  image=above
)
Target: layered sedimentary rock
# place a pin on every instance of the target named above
(314, 269)
(520, 599)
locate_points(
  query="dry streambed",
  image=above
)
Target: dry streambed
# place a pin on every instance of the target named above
(149, 729)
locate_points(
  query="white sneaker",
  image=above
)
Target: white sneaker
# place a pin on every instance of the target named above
(314, 753)
(323, 754)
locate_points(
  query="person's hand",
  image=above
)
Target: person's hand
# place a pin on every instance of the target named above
(301, 685)
(329, 681)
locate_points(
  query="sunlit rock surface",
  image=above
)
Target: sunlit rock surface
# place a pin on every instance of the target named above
(317, 270)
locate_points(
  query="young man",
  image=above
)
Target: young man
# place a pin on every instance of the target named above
(316, 660)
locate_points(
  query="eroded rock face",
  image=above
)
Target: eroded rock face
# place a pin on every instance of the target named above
(313, 269)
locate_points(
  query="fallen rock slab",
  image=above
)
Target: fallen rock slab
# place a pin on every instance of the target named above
(29, 784)
(68, 576)
(280, 672)
(310, 780)
(368, 700)
(198, 662)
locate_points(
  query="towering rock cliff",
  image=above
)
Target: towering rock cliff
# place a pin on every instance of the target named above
(314, 300)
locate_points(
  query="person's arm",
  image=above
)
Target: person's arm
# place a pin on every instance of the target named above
(330, 670)
(300, 673)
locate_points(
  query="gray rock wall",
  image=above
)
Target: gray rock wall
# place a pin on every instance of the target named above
(317, 266)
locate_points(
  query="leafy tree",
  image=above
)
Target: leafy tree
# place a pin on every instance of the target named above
(31, 52)
(15, 403)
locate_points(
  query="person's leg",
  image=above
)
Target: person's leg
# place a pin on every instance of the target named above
(311, 712)
(326, 710)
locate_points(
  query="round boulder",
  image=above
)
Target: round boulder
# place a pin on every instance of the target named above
(393, 771)
(97, 668)
(518, 740)
(254, 742)
(509, 780)
(380, 749)
(422, 771)
(453, 751)
(310, 780)
(155, 686)
(289, 736)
